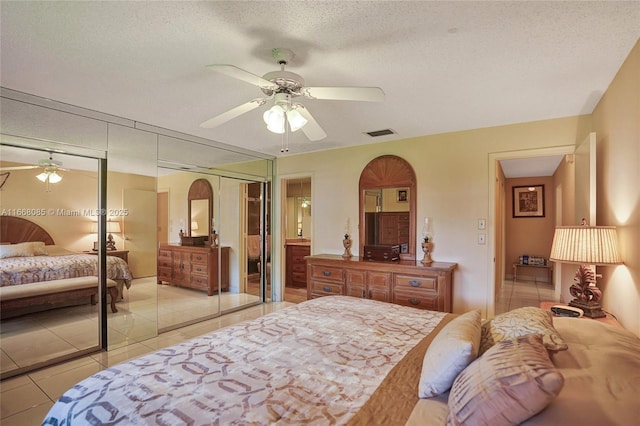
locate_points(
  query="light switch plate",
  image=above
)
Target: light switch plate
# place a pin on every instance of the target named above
(482, 238)
(482, 223)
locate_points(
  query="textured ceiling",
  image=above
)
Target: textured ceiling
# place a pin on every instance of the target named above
(444, 66)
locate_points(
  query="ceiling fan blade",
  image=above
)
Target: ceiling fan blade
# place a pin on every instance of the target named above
(233, 113)
(10, 168)
(367, 94)
(312, 129)
(240, 74)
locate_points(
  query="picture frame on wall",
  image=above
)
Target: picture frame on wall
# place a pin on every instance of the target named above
(528, 201)
(402, 196)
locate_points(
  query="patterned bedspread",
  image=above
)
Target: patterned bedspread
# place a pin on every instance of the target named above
(313, 363)
(24, 270)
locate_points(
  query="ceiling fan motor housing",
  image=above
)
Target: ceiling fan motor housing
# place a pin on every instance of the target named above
(287, 81)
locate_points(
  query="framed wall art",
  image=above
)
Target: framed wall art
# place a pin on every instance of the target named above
(528, 201)
(402, 196)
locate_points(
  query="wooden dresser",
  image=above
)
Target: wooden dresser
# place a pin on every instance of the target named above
(193, 266)
(296, 264)
(404, 282)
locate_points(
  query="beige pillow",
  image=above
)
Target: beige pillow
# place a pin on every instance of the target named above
(449, 353)
(513, 381)
(519, 322)
(39, 248)
(16, 250)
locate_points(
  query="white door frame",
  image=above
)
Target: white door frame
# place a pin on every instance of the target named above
(491, 225)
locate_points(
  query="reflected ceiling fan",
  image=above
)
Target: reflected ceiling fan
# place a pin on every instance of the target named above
(50, 169)
(283, 87)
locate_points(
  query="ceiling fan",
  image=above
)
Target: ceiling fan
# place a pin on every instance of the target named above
(283, 87)
(50, 169)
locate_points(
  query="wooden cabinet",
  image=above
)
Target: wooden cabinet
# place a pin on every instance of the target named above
(297, 265)
(368, 284)
(394, 228)
(404, 282)
(194, 267)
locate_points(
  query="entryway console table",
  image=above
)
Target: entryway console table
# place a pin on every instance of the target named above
(404, 282)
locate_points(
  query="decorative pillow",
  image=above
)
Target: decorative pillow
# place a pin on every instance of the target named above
(449, 353)
(16, 250)
(520, 322)
(513, 381)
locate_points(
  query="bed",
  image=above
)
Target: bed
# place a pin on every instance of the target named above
(344, 360)
(29, 258)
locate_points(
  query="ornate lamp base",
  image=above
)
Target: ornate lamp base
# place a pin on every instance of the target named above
(347, 248)
(591, 309)
(427, 248)
(214, 240)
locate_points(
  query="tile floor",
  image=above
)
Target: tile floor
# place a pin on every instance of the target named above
(523, 293)
(25, 400)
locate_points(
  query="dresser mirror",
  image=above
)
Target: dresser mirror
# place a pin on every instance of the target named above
(388, 205)
(200, 201)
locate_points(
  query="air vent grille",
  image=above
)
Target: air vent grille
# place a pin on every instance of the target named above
(383, 132)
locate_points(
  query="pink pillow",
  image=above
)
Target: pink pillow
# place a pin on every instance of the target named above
(512, 381)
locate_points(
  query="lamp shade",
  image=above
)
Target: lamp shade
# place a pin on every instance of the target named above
(113, 227)
(589, 245)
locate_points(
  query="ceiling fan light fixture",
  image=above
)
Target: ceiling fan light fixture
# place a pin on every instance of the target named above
(274, 118)
(42, 177)
(295, 119)
(54, 177)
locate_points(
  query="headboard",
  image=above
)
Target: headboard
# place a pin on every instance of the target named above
(18, 230)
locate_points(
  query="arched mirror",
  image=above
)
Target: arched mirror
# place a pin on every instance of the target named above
(200, 200)
(388, 205)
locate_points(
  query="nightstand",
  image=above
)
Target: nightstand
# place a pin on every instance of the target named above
(122, 254)
(608, 319)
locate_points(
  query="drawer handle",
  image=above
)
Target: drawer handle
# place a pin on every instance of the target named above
(415, 283)
(326, 273)
(327, 289)
(414, 301)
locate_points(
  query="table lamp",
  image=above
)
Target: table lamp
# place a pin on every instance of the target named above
(586, 245)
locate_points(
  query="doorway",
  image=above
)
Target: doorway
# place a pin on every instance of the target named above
(297, 227)
(503, 294)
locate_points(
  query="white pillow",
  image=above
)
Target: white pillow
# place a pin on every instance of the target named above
(16, 250)
(455, 347)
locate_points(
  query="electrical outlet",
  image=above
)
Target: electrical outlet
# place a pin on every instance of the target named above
(482, 238)
(482, 223)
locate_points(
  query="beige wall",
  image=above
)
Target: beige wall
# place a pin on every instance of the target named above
(452, 172)
(68, 204)
(617, 125)
(525, 235)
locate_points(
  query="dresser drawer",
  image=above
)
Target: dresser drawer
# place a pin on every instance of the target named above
(411, 282)
(199, 257)
(299, 278)
(200, 281)
(416, 300)
(299, 267)
(164, 262)
(164, 254)
(164, 274)
(326, 273)
(199, 268)
(325, 288)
